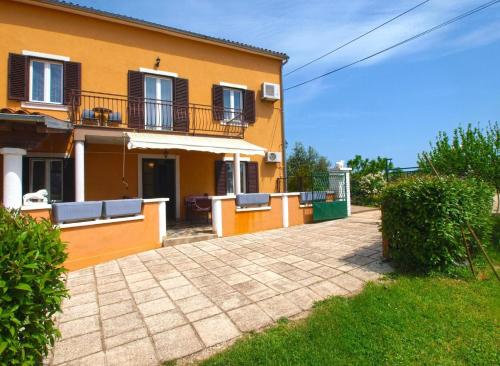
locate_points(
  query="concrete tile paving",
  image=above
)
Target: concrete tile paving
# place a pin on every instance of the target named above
(176, 301)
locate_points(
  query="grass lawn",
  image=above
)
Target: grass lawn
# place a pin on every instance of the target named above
(407, 320)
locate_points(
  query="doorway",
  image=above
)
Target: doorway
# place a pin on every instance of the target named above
(158, 181)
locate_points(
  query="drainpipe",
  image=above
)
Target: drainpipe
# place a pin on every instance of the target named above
(283, 139)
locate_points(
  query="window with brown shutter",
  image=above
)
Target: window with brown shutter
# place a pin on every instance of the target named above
(135, 99)
(220, 178)
(218, 102)
(18, 75)
(72, 76)
(249, 106)
(181, 105)
(252, 177)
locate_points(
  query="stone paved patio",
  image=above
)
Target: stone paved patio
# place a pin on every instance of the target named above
(177, 301)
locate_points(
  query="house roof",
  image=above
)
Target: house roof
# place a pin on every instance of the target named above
(89, 11)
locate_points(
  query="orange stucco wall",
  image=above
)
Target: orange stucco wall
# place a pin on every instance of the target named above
(89, 245)
(108, 50)
(298, 215)
(234, 222)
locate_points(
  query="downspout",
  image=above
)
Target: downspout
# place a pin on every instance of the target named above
(283, 139)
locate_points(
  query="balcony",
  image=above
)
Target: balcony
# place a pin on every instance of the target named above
(142, 114)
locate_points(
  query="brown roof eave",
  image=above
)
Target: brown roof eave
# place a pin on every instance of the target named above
(126, 20)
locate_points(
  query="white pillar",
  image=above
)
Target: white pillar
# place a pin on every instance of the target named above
(348, 190)
(79, 171)
(217, 217)
(237, 174)
(162, 220)
(12, 176)
(284, 207)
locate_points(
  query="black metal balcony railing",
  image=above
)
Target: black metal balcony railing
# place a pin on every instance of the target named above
(111, 110)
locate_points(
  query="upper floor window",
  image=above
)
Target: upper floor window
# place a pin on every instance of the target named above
(233, 105)
(46, 81)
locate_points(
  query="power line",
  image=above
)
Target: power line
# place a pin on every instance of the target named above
(450, 21)
(357, 38)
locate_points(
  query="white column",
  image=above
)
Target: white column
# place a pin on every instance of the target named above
(348, 190)
(217, 216)
(12, 176)
(284, 207)
(237, 175)
(79, 171)
(162, 220)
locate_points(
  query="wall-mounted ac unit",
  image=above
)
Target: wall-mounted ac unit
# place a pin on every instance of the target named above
(273, 157)
(270, 91)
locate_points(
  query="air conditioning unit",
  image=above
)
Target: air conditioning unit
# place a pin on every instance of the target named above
(270, 91)
(273, 157)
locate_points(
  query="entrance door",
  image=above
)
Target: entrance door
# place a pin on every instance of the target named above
(158, 181)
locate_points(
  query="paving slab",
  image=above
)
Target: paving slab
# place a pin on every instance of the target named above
(175, 301)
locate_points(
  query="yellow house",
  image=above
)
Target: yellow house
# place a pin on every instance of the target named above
(104, 106)
(96, 106)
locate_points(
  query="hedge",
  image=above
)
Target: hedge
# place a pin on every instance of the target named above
(31, 287)
(422, 219)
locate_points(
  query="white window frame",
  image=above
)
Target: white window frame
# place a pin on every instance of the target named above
(46, 81)
(231, 108)
(47, 175)
(158, 110)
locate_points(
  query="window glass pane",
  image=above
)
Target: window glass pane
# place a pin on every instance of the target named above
(56, 83)
(230, 178)
(227, 105)
(166, 107)
(38, 175)
(38, 78)
(56, 180)
(243, 177)
(237, 100)
(150, 104)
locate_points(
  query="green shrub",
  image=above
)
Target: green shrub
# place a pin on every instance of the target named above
(422, 218)
(31, 287)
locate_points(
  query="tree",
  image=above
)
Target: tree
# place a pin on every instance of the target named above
(362, 166)
(301, 164)
(368, 178)
(470, 152)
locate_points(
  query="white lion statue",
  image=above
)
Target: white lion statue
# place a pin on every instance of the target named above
(35, 197)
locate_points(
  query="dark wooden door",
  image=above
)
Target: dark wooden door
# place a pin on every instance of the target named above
(158, 180)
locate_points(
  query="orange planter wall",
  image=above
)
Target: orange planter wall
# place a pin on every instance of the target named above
(89, 245)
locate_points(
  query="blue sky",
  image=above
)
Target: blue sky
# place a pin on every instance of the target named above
(394, 104)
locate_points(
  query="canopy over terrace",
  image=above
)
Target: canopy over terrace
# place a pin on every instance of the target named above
(159, 141)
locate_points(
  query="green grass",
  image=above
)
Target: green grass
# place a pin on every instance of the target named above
(406, 320)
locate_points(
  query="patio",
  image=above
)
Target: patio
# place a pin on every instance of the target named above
(182, 301)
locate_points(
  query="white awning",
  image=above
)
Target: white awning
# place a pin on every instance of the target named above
(216, 145)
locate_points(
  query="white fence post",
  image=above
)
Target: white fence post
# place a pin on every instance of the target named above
(284, 205)
(217, 216)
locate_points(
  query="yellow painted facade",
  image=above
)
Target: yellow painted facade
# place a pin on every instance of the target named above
(107, 49)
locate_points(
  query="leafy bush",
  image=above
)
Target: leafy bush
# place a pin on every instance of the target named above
(367, 188)
(423, 217)
(31, 287)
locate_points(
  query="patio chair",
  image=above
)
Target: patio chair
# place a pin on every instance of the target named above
(198, 205)
(89, 117)
(115, 118)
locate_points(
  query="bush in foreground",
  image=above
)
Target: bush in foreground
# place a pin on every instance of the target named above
(423, 217)
(31, 287)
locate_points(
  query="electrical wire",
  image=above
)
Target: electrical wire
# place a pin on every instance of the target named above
(358, 37)
(448, 22)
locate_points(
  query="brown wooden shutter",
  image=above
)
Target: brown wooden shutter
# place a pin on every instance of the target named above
(72, 75)
(220, 178)
(18, 74)
(181, 105)
(218, 102)
(135, 99)
(252, 177)
(249, 106)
